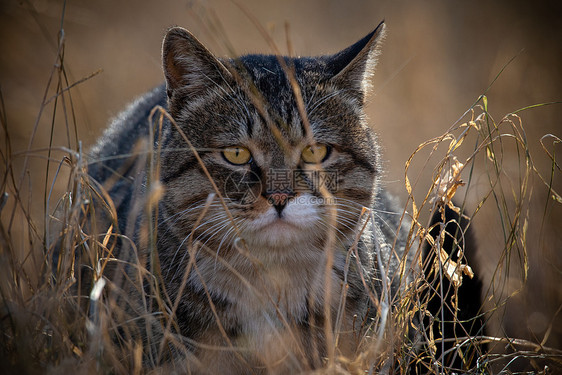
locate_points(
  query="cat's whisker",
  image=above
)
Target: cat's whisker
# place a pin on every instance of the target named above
(177, 266)
(329, 226)
(349, 215)
(384, 221)
(218, 218)
(204, 244)
(215, 229)
(349, 210)
(350, 201)
(183, 215)
(225, 238)
(374, 209)
(386, 212)
(349, 224)
(189, 210)
(210, 219)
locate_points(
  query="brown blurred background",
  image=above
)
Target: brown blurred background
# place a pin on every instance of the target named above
(439, 56)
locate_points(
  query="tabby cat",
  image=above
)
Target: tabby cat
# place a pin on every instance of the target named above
(258, 208)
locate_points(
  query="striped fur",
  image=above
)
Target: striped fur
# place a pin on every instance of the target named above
(259, 294)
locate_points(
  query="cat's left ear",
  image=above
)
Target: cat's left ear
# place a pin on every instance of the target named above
(189, 66)
(354, 66)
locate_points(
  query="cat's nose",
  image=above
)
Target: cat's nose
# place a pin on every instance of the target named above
(279, 199)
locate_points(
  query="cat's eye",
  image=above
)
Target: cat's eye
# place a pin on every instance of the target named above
(314, 154)
(237, 155)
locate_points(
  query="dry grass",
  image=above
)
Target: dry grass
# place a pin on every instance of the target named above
(59, 315)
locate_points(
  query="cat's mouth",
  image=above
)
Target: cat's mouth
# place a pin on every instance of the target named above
(279, 232)
(285, 221)
(280, 225)
(294, 224)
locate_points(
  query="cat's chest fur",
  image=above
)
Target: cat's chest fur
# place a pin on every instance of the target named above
(275, 312)
(268, 294)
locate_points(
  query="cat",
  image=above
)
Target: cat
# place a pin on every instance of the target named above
(259, 206)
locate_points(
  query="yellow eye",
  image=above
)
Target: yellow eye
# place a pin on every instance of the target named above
(314, 154)
(237, 155)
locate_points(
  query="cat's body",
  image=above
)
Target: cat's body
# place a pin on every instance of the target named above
(269, 270)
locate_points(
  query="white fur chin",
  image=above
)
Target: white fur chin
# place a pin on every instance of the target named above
(296, 225)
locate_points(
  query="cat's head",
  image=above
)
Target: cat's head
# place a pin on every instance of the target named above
(283, 141)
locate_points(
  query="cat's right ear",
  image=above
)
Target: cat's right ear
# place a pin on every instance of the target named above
(188, 65)
(354, 66)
